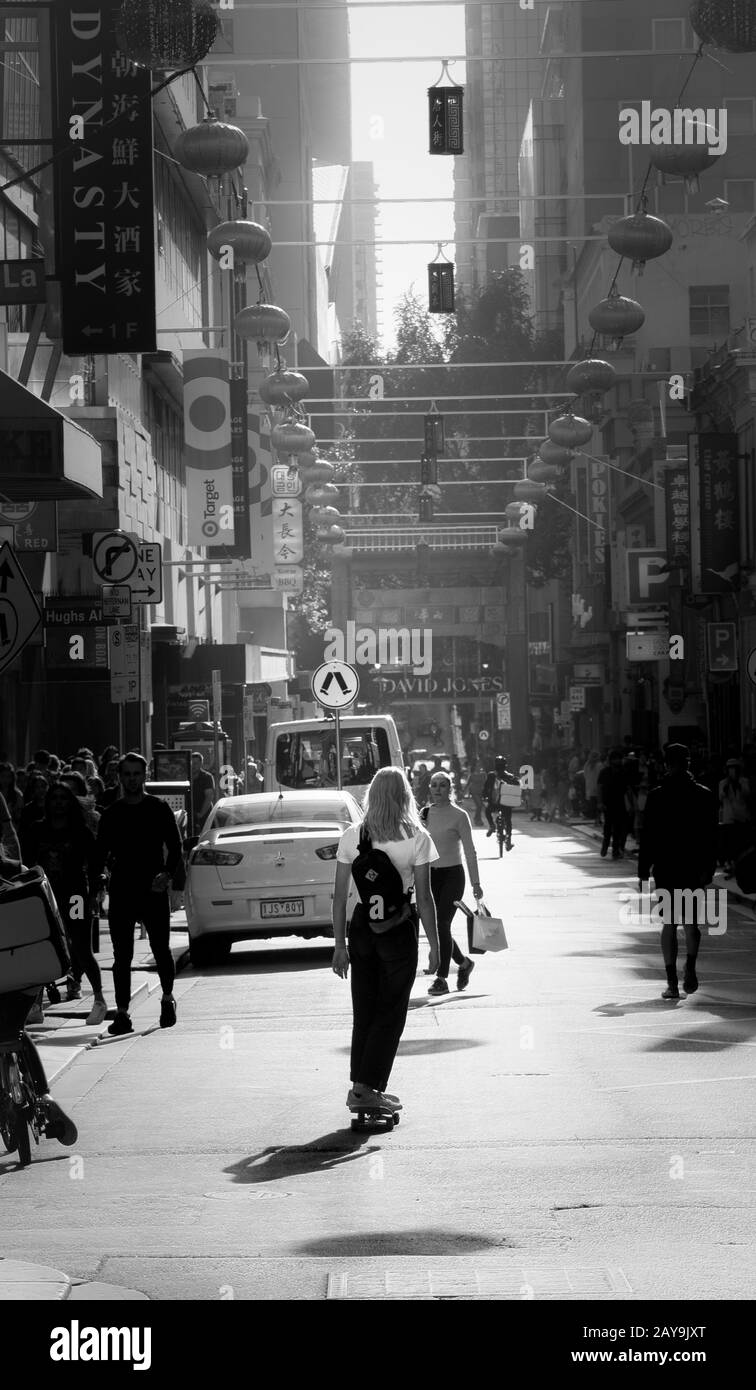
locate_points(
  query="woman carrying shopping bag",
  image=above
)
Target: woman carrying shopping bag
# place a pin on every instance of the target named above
(451, 832)
(385, 855)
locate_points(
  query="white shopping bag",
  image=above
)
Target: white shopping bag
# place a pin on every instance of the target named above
(488, 932)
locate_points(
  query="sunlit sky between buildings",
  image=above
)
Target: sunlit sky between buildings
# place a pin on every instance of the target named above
(390, 128)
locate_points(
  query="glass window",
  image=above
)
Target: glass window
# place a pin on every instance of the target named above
(740, 119)
(261, 811)
(709, 311)
(670, 35)
(308, 760)
(740, 195)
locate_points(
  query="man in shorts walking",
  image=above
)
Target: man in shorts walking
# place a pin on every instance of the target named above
(133, 837)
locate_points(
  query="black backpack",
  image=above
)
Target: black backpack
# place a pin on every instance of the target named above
(380, 887)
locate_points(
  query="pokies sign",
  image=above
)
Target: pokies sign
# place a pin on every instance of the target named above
(207, 453)
(104, 194)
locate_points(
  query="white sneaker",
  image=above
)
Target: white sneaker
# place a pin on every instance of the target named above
(98, 1013)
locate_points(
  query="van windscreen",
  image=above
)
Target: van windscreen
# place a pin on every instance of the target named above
(308, 759)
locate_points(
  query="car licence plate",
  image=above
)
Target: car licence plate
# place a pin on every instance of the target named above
(282, 907)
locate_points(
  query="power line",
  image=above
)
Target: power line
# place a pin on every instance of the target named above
(229, 60)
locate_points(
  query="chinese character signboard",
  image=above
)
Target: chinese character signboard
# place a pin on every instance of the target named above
(445, 127)
(242, 548)
(287, 531)
(677, 498)
(207, 452)
(441, 287)
(104, 198)
(717, 479)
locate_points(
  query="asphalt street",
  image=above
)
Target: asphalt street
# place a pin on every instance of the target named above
(566, 1134)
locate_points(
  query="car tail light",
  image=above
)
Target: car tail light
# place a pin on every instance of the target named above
(215, 856)
(328, 851)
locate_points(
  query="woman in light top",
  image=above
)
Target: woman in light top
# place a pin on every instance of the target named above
(384, 965)
(451, 833)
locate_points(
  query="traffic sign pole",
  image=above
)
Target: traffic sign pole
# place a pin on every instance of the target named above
(337, 720)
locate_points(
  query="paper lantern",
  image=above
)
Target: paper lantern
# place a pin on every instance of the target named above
(727, 24)
(617, 317)
(570, 431)
(321, 494)
(321, 471)
(282, 388)
(166, 34)
(324, 516)
(289, 437)
(529, 492)
(512, 536)
(515, 512)
(689, 159)
(549, 452)
(249, 241)
(264, 322)
(640, 238)
(593, 374)
(540, 472)
(211, 148)
(330, 535)
(499, 549)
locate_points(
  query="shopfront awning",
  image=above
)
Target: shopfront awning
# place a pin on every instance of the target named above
(44, 456)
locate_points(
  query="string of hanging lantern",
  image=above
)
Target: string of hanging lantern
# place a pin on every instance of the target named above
(641, 237)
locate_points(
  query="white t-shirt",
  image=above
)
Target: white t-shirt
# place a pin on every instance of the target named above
(404, 854)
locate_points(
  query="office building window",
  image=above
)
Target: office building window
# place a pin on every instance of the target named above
(709, 311)
(740, 194)
(671, 35)
(740, 115)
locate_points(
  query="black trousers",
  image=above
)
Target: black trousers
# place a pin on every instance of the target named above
(506, 811)
(615, 829)
(153, 909)
(447, 887)
(382, 974)
(13, 1011)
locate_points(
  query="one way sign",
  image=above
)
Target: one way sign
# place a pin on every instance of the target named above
(146, 582)
(335, 685)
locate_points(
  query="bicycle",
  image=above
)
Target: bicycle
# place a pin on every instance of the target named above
(504, 829)
(23, 1112)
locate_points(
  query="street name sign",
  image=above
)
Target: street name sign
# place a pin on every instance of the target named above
(335, 685)
(20, 613)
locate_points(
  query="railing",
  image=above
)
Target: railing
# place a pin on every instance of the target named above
(382, 538)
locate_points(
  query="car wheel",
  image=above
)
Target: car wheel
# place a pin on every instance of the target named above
(209, 950)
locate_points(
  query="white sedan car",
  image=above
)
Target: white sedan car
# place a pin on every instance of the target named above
(264, 866)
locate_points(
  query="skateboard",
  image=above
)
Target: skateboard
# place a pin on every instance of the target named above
(375, 1118)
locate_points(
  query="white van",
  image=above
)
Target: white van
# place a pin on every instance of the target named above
(301, 753)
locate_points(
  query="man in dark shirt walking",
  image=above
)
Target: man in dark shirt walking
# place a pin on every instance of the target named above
(678, 846)
(612, 791)
(133, 836)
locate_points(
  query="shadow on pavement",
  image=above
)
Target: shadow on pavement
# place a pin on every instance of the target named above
(701, 1035)
(411, 1047)
(269, 961)
(422, 1242)
(288, 1161)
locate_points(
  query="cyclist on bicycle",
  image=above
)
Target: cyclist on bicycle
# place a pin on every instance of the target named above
(14, 1008)
(492, 798)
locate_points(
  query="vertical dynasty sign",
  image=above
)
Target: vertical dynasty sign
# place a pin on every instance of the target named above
(104, 187)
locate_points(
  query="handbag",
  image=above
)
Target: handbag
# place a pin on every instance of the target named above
(470, 916)
(488, 932)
